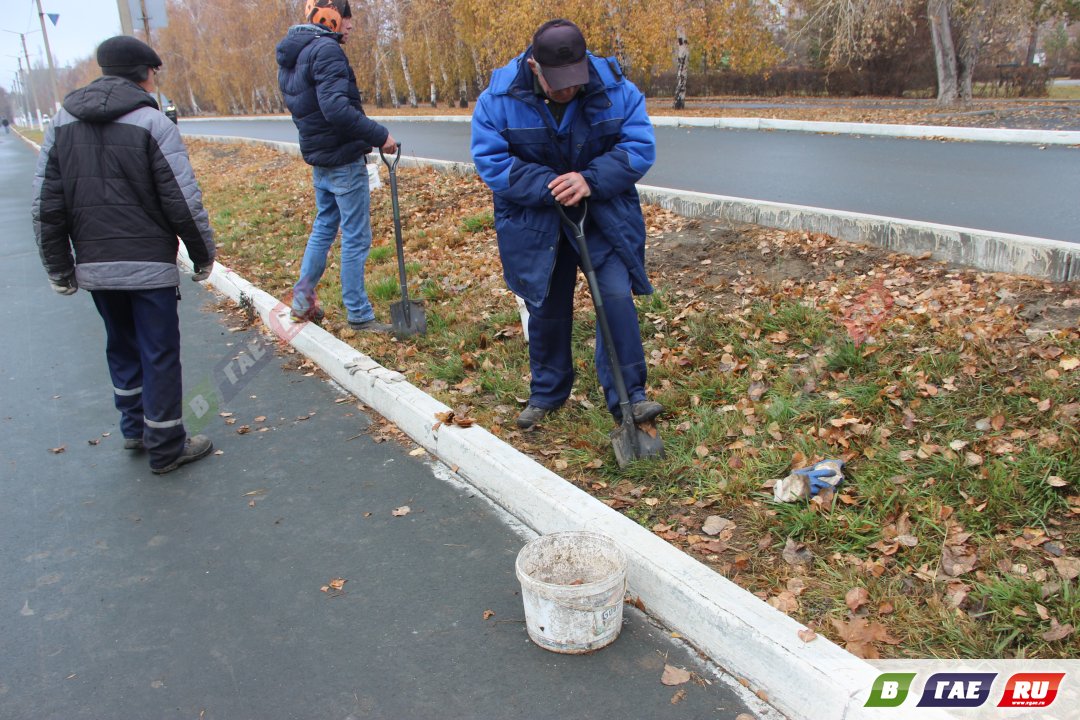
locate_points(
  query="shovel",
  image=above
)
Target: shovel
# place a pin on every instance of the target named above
(407, 316)
(630, 441)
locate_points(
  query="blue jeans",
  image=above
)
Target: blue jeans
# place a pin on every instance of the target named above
(551, 325)
(341, 200)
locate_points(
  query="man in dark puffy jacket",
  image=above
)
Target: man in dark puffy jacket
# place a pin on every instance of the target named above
(559, 125)
(114, 183)
(320, 91)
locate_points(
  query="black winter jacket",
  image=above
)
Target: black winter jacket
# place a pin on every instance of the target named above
(319, 88)
(114, 183)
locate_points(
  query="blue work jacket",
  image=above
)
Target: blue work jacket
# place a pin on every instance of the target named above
(605, 135)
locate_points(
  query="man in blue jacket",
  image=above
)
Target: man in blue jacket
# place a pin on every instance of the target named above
(559, 125)
(320, 91)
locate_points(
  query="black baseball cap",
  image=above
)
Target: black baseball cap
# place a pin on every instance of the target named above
(559, 48)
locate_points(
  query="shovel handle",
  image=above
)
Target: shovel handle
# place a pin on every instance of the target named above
(397, 156)
(578, 228)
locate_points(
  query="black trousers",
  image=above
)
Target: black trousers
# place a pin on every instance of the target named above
(143, 351)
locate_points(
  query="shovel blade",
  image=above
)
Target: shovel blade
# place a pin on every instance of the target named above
(407, 318)
(648, 443)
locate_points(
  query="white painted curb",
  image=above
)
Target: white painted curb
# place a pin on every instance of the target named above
(742, 634)
(1004, 135)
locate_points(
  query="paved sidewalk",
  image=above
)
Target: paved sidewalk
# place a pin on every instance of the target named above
(197, 594)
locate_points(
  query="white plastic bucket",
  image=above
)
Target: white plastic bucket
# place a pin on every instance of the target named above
(572, 586)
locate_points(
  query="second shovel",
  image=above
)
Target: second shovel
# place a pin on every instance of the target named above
(406, 316)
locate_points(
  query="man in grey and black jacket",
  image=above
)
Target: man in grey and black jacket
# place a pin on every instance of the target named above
(114, 184)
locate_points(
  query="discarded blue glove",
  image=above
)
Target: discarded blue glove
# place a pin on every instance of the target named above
(824, 475)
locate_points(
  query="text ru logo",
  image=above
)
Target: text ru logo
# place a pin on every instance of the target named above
(1031, 690)
(957, 690)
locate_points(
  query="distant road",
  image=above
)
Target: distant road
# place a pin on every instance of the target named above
(1001, 187)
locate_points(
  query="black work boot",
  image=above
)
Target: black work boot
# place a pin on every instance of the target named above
(135, 444)
(531, 415)
(196, 447)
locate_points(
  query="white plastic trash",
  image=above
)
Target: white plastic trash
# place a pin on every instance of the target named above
(523, 311)
(572, 586)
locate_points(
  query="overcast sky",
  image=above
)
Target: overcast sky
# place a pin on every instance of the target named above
(82, 25)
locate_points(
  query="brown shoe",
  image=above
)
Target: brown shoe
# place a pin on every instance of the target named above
(196, 447)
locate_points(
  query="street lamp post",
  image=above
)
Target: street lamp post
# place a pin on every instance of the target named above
(48, 55)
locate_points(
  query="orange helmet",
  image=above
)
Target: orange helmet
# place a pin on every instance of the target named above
(328, 13)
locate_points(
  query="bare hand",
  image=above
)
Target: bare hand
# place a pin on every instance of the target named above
(569, 189)
(390, 146)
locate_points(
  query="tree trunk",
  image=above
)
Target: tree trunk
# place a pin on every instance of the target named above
(405, 71)
(463, 94)
(937, 12)
(682, 56)
(970, 42)
(1033, 45)
(378, 79)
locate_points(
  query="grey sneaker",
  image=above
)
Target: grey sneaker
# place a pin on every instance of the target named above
(135, 444)
(195, 448)
(370, 326)
(531, 415)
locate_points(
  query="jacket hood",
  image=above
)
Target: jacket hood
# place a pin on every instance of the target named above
(106, 99)
(298, 38)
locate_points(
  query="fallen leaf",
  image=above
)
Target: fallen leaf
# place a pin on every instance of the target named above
(488, 614)
(401, 511)
(1057, 632)
(674, 676)
(678, 697)
(796, 553)
(261, 418)
(785, 602)
(417, 452)
(856, 597)
(336, 585)
(95, 441)
(714, 525)
(1068, 567)
(807, 635)
(243, 430)
(1069, 363)
(957, 560)
(57, 450)
(1056, 481)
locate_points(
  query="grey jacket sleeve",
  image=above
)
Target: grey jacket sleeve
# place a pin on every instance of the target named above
(181, 198)
(49, 212)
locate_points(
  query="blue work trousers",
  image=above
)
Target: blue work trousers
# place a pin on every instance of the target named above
(142, 328)
(341, 200)
(551, 326)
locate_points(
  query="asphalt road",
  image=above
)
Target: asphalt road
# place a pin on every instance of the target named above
(1022, 189)
(130, 596)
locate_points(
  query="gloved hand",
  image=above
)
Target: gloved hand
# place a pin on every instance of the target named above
(202, 274)
(65, 287)
(825, 475)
